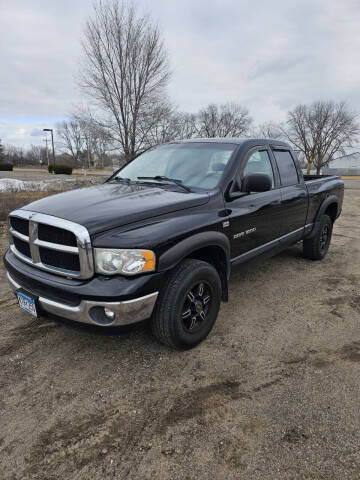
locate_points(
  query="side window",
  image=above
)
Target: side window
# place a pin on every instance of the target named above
(287, 169)
(259, 162)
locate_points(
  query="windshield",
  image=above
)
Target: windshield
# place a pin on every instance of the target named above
(198, 165)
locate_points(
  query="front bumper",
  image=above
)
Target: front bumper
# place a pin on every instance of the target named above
(125, 312)
(131, 300)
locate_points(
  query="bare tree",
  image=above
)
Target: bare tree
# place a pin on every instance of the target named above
(71, 138)
(268, 130)
(97, 140)
(2, 153)
(184, 125)
(36, 155)
(15, 154)
(171, 125)
(125, 70)
(84, 139)
(228, 120)
(320, 130)
(155, 126)
(101, 145)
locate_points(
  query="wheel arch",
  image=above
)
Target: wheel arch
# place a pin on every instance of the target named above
(330, 206)
(211, 247)
(332, 211)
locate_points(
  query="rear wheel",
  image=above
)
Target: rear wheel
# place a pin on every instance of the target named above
(188, 306)
(316, 248)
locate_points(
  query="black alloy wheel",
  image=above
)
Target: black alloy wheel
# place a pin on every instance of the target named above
(188, 305)
(317, 246)
(196, 307)
(324, 238)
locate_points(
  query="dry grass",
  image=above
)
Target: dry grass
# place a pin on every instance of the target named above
(350, 177)
(12, 200)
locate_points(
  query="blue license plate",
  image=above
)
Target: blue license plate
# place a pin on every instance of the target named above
(27, 303)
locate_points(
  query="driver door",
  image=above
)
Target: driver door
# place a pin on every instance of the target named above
(255, 218)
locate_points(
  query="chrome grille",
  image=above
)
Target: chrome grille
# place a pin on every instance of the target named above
(51, 243)
(22, 247)
(56, 235)
(20, 224)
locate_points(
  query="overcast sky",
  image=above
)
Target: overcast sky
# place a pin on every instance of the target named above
(266, 55)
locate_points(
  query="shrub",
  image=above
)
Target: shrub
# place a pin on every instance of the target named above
(65, 169)
(6, 166)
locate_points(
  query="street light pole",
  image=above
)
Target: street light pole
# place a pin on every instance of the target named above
(47, 151)
(52, 141)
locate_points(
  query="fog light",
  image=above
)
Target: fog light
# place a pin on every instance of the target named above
(109, 313)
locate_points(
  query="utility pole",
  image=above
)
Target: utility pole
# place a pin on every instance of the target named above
(52, 141)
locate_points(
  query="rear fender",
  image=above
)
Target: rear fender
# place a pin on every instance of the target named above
(331, 199)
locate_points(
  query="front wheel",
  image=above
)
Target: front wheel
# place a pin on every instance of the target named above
(188, 306)
(316, 248)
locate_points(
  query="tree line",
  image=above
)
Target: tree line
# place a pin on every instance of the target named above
(124, 74)
(83, 132)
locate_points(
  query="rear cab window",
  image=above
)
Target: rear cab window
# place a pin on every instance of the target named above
(287, 169)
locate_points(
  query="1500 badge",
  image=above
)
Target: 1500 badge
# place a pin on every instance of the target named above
(247, 232)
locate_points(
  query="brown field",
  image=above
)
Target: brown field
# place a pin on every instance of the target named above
(350, 177)
(10, 201)
(272, 394)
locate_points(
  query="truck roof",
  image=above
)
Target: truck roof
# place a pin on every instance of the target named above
(235, 140)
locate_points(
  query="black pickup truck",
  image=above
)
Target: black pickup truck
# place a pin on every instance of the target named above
(159, 238)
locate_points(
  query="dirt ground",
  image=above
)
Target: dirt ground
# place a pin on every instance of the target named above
(273, 393)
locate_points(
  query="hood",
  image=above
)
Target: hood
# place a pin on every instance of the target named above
(113, 205)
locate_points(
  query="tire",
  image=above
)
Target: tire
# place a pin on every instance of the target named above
(316, 248)
(187, 307)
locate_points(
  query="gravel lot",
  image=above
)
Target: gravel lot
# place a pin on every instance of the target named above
(272, 394)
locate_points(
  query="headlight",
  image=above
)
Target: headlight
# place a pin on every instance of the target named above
(109, 261)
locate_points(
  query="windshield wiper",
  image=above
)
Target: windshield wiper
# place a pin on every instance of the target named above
(121, 179)
(167, 179)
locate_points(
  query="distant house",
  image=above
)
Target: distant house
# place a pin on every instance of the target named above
(345, 165)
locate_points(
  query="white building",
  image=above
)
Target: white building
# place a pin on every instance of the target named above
(345, 165)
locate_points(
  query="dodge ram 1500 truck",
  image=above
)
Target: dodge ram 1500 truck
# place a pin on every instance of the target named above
(159, 238)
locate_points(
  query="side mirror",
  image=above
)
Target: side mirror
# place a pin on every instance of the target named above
(256, 182)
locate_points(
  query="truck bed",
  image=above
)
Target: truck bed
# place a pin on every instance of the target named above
(309, 178)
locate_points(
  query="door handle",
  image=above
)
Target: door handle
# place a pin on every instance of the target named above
(225, 213)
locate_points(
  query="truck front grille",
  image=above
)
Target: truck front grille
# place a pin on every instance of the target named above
(22, 247)
(51, 243)
(56, 235)
(20, 225)
(68, 261)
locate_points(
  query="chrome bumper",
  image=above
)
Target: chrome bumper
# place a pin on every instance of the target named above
(125, 312)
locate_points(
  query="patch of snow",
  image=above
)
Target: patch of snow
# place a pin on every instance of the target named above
(13, 185)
